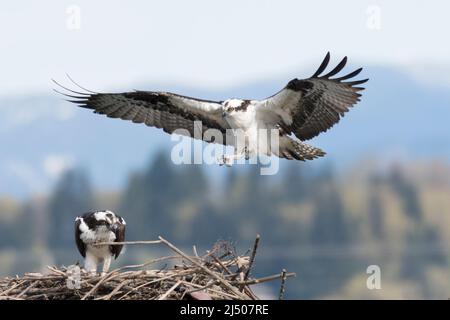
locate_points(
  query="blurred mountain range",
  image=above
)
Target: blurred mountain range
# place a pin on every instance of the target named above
(42, 135)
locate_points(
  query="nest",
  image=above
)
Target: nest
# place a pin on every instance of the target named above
(219, 274)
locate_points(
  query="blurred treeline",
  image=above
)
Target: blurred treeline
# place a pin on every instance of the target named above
(328, 227)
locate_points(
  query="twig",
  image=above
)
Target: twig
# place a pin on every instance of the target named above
(9, 298)
(4, 293)
(252, 260)
(252, 257)
(283, 284)
(153, 261)
(226, 284)
(221, 264)
(26, 290)
(150, 282)
(208, 287)
(127, 242)
(165, 295)
(194, 249)
(54, 270)
(224, 267)
(116, 289)
(261, 280)
(103, 279)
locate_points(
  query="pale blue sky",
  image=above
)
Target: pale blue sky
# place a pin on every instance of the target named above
(211, 44)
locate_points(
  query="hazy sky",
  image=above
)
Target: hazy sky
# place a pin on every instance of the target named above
(121, 45)
(209, 44)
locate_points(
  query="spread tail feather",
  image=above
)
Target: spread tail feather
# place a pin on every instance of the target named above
(291, 149)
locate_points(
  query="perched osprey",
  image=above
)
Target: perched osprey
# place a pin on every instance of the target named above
(303, 108)
(96, 227)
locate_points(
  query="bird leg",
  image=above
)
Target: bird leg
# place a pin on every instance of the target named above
(225, 160)
(106, 264)
(90, 263)
(246, 153)
(228, 160)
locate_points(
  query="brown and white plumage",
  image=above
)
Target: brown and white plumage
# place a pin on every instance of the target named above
(304, 108)
(310, 106)
(95, 227)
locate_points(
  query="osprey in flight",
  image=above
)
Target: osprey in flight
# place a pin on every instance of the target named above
(303, 108)
(96, 227)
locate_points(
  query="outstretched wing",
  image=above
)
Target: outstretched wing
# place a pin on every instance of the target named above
(310, 106)
(164, 110)
(80, 244)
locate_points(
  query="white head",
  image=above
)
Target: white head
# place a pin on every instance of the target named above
(109, 217)
(234, 105)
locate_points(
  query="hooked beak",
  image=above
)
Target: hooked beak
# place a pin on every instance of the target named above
(224, 114)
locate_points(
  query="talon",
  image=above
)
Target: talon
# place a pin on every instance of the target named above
(229, 162)
(221, 160)
(246, 153)
(224, 160)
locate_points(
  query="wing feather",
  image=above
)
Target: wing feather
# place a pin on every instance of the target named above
(310, 106)
(80, 244)
(120, 237)
(164, 110)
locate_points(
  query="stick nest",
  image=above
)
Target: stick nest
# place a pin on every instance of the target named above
(218, 274)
